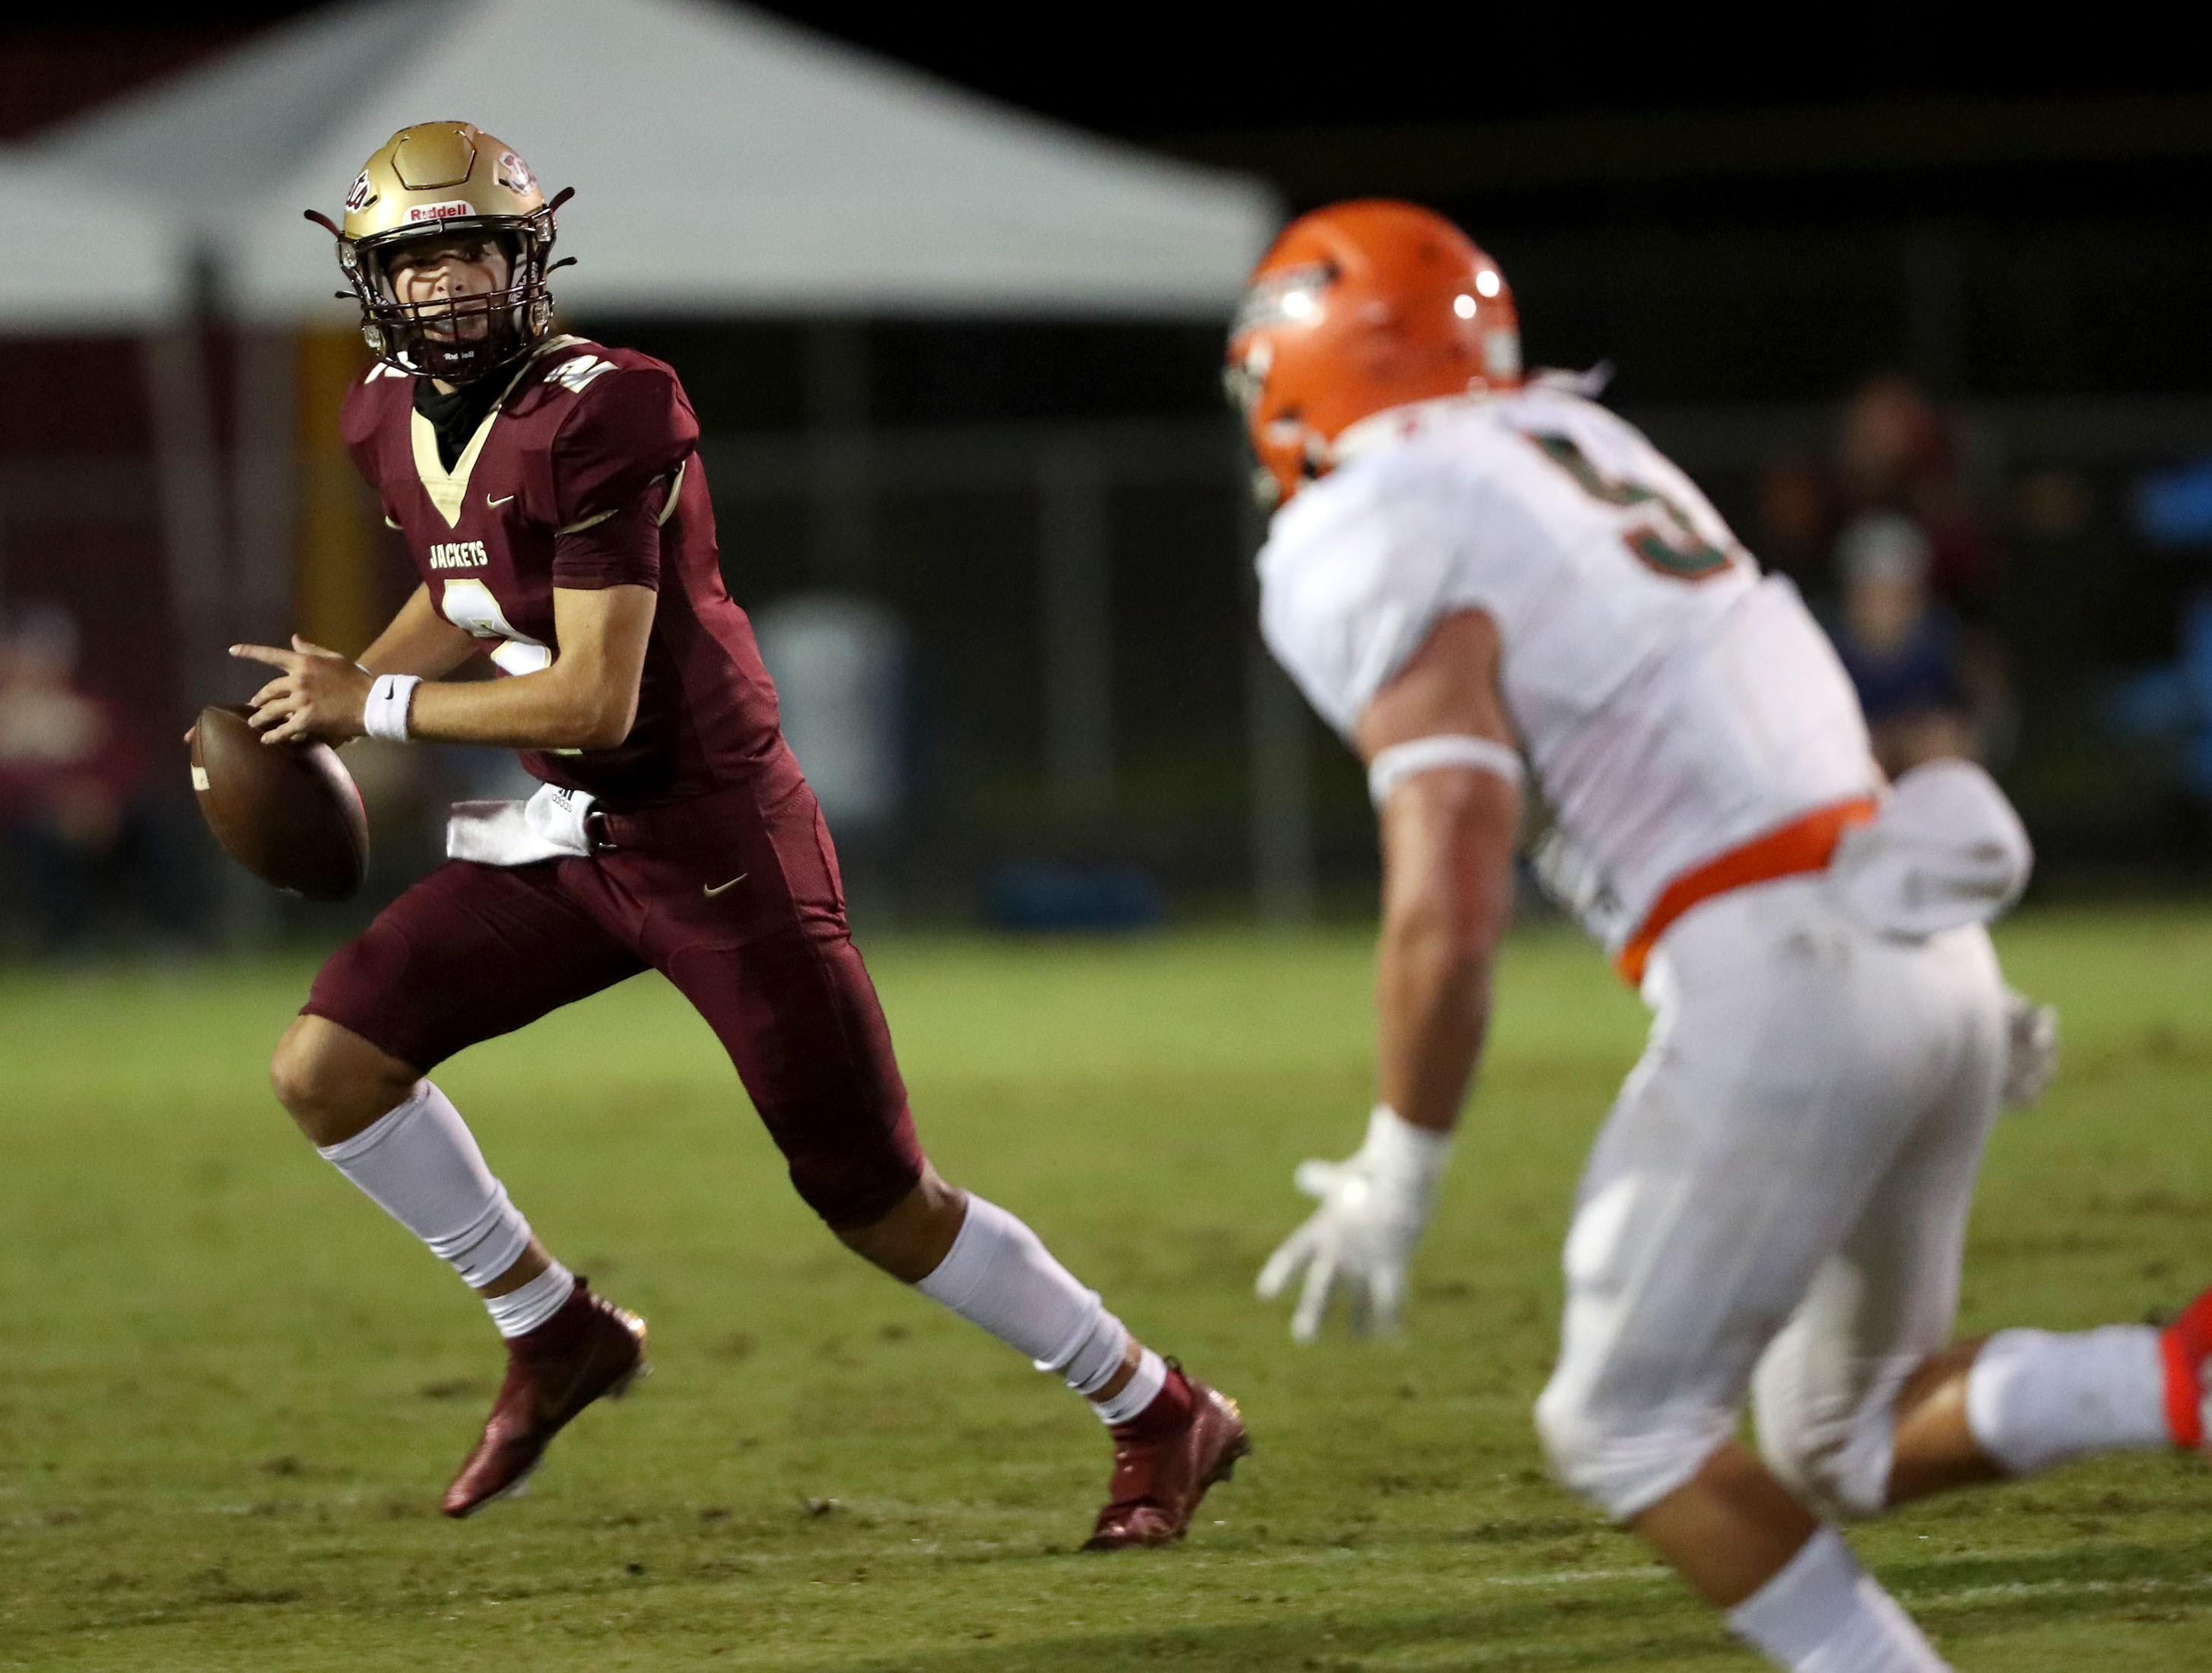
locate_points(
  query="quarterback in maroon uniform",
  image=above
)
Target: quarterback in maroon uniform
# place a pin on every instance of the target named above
(548, 492)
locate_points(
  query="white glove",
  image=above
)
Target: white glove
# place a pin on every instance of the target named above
(2031, 1049)
(1373, 1207)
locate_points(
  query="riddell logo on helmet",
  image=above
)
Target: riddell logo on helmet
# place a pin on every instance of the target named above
(452, 208)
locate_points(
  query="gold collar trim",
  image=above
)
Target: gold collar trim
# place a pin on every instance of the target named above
(449, 489)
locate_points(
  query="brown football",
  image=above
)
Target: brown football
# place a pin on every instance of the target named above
(290, 813)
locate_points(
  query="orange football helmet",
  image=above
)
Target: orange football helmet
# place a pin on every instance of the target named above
(1357, 308)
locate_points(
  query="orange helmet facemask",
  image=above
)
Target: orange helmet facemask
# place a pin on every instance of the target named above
(1357, 308)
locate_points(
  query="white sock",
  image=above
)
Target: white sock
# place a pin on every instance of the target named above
(1142, 1389)
(1824, 1614)
(420, 1163)
(526, 1306)
(1000, 1275)
(2035, 1398)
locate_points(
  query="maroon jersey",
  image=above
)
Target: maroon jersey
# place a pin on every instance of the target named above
(584, 476)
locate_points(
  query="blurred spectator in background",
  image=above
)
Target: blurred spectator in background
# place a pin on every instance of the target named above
(1902, 645)
(72, 816)
(1796, 520)
(2171, 702)
(1913, 575)
(1898, 454)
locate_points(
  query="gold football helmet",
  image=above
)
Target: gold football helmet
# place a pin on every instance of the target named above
(432, 180)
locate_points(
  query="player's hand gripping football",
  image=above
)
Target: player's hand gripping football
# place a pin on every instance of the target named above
(319, 694)
(1360, 1241)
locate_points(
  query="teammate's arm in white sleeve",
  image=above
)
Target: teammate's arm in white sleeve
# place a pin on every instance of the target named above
(1449, 803)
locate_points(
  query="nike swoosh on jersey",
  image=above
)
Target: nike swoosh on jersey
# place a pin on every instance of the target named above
(710, 890)
(502, 500)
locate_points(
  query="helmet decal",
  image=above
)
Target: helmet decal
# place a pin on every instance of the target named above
(514, 175)
(362, 195)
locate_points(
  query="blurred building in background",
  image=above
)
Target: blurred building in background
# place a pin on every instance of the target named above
(854, 712)
(1925, 351)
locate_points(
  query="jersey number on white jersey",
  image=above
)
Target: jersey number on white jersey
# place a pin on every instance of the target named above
(1657, 530)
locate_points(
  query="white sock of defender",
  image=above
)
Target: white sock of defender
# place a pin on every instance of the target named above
(420, 1163)
(1000, 1275)
(2035, 1398)
(1824, 1614)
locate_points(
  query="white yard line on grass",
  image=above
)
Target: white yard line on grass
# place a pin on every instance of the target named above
(1990, 1591)
(2008, 1590)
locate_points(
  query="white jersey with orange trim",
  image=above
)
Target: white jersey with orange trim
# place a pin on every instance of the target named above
(1672, 702)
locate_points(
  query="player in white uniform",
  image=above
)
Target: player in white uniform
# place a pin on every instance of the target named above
(1471, 572)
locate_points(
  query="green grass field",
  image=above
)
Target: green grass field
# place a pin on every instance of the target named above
(233, 1390)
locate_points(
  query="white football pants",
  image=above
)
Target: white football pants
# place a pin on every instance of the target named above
(1777, 1201)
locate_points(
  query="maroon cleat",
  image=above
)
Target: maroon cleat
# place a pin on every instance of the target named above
(1163, 1463)
(588, 1349)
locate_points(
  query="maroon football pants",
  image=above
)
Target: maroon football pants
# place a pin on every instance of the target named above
(737, 903)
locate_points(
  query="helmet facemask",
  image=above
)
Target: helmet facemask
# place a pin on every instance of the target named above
(455, 339)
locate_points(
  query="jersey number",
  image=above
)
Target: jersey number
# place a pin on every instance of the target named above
(469, 606)
(1661, 533)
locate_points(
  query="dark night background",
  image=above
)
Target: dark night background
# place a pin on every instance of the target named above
(1746, 225)
(1715, 177)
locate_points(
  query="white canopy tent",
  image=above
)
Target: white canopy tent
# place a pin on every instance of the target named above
(724, 161)
(79, 254)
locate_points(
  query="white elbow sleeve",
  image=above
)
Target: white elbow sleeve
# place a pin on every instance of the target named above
(1395, 765)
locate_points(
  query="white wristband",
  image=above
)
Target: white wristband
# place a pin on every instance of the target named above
(385, 713)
